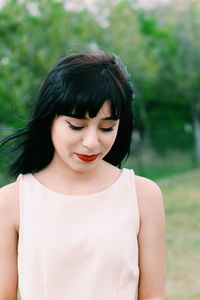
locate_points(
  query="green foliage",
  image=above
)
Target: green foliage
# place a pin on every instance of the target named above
(153, 44)
(30, 45)
(155, 166)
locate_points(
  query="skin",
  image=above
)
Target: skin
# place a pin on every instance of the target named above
(87, 178)
(71, 136)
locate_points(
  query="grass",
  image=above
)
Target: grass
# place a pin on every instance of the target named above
(182, 204)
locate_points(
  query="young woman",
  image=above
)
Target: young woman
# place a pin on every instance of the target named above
(74, 225)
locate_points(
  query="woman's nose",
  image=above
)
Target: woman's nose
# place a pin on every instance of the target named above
(90, 139)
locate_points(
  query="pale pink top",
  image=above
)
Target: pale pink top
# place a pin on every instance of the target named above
(78, 247)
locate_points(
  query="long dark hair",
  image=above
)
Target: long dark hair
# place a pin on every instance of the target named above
(80, 83)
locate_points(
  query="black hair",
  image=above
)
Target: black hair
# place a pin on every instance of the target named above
(78, 83)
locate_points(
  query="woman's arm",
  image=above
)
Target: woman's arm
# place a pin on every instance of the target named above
(8, 242)
(151, 240)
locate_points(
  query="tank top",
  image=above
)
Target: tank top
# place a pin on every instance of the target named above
(78, 247)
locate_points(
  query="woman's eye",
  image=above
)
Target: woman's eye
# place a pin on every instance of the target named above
(74, 127)
(107, 129)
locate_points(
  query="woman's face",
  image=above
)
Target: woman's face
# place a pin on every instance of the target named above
(81, 144)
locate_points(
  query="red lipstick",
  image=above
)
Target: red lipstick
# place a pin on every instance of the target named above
(87, 158)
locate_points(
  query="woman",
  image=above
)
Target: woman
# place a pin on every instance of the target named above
(74, 225)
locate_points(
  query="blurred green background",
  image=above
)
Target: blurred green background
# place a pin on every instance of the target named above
(159, 41)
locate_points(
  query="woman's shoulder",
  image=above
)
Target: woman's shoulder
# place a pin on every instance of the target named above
(9, 203)
(9, 191)
(150, 198)
(146, 186)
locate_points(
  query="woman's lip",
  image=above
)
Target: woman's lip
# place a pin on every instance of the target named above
(87, 158)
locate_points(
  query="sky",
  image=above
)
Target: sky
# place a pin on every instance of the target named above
(152, 3)
(90, 3)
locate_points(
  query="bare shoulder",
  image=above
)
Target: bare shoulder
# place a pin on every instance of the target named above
(9, 193)
(9, 204)
(147, 188)
(8, 241)
(150, 198)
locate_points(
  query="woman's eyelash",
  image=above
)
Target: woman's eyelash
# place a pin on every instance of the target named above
(81, 127)
(74, 127)
(107, 129)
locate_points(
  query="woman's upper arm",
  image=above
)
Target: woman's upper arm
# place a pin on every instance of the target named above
(151, 240)
(8, 242)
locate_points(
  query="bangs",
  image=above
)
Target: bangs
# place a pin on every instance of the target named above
(86, 94)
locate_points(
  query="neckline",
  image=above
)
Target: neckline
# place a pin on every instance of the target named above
(78, 196)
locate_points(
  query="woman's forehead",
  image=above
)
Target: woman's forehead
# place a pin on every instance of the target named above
(105, 110)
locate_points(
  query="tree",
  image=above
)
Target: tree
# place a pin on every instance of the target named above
(188, 38)
(34, 34)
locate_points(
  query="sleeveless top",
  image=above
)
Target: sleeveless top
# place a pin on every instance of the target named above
(78, 247)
